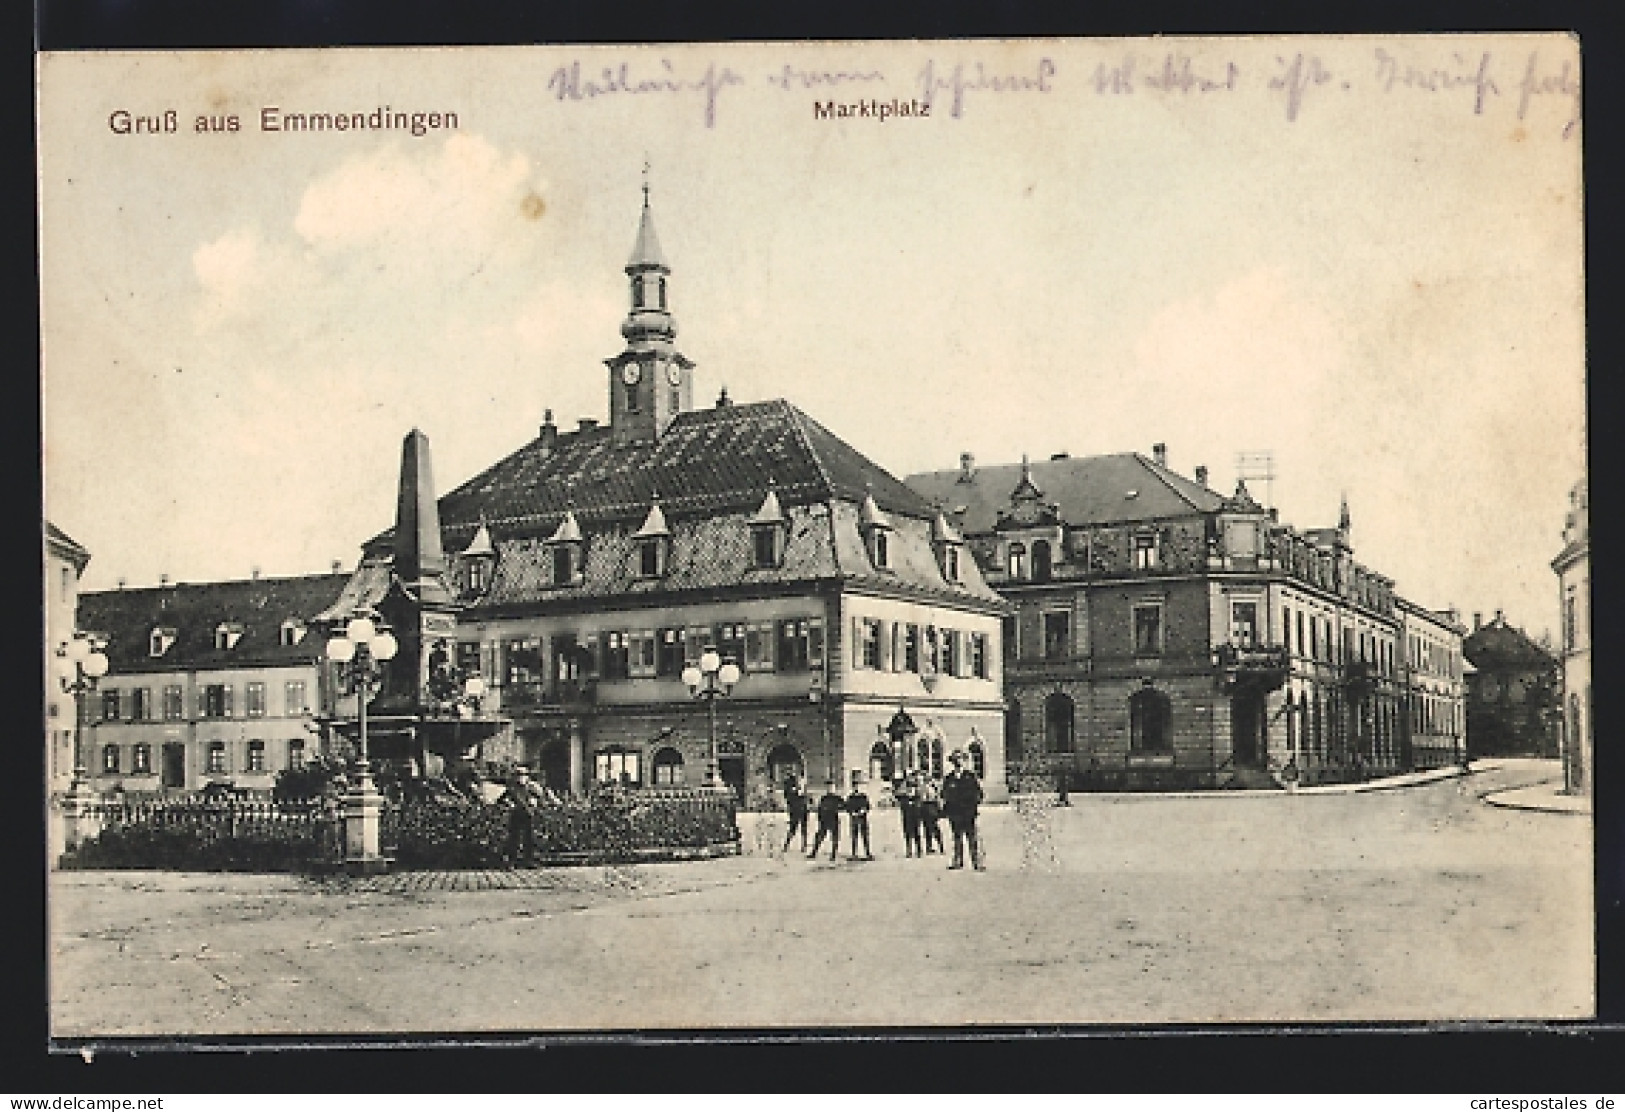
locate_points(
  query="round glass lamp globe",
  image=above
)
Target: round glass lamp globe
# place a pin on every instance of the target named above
(691, 676)
(710, 662)
(78, 648)
(95, 665)
(384, 646)
(360, 630)
(474, 686)
(341, 649)
(729, 674)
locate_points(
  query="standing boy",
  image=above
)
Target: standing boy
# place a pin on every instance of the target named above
(857, 806)
(829, 820)
(908, 802)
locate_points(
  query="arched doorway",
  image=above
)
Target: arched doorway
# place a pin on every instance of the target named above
(880, 762)
(552, 762)
(1248, 720)
(782, 761)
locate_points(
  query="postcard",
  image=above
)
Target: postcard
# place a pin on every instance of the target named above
(815, 536)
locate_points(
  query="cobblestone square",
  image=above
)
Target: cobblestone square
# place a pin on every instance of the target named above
(1422, 902)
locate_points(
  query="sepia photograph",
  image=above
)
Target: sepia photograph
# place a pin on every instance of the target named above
(816, 536)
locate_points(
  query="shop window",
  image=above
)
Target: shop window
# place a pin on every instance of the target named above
(668, 768)
(618, 766)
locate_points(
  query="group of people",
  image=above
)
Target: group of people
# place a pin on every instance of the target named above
(923, 801)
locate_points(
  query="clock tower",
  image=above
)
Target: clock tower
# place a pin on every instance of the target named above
(650, 382)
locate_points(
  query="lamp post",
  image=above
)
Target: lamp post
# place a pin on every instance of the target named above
(712, 679)
(89, 666)
(900, 729)
(361, 652)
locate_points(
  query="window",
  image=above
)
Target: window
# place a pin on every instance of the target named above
(1041, 561)
(801, 644)
(765, 545)
(637, 292)
(929, 751)
(216, 700)
(1244, 624)
(978, 655)
(880, 548)
(141, 704)
(950, 563)
(524, 659)
(1286, 628)
(651, 557)
(951, 651)
(293, 697)
(1010, 636)
(1145, 551)
(631, 397)
(110, 706)
(1016, 561)
(1301, 651)
(174, 703)
(668, 768)
(226, 636)
(868, 643)
(642, 654)
(617, 766)
(256, 756)
(254, 700)
(1148, 629)
(730, 641)
(296, 753)
(292, 633)
(759, 647)
(617, 655)
(1059, 718)
(564, 565)
(1149, 711)
(476, 575)
(109, 758)
(141, 759)
(160, 641)
(1057, 635)
(217, 756)
(911, 647)
(662, 287)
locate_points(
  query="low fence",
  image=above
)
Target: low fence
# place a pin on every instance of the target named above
(444, 832)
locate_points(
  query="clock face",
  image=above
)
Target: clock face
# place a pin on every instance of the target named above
(630, 373)
(674, 374)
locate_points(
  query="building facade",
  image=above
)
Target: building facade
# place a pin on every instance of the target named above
(65, 561)
(1573, 568)
(1513, 692)
(208, 683)
(1434, 684)
(583, 574)
(1166, 635)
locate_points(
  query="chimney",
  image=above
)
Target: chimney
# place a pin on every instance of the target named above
(967, 467)
(163, 579)
(337, 566)
(254, 572)
(1060, 455)
(1201, 474)
(723, 400)
(1500, 619)
(1159, 452)
(1478, 621)
(586, 424)
(549, 432)
(121, 582)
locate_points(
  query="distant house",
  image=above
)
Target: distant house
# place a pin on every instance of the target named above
(207, 682)
(65, 560)
(1573, 568)
(1512, 692)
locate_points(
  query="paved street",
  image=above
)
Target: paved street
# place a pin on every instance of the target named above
(1415, 903)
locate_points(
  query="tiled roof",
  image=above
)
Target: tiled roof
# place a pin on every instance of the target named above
(1090, 490)
(127, 618)
(1497, 646)
(707, 461)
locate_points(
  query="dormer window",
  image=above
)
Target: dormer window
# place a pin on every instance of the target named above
(565, 546)
(1145, 551)
(767, 532)
(877, 530)
(1016, 563)
(653, 540)
(950, 563)
(226, 636)
(479, 561)
(949, 546)
(292, 632)
(161, 640)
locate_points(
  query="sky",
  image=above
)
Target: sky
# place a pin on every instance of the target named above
(1363, 255)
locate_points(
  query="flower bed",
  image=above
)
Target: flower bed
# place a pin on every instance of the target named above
(210, 837)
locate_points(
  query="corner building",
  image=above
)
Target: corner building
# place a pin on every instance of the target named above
(589, 568)
(1168, 636)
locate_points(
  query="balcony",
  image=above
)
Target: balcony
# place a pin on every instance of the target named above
(1261, 666)
(571, 695)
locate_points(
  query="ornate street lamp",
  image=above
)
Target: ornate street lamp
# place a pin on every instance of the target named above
(361, 652)
(714, 678)
(89, 666)
(900, 729)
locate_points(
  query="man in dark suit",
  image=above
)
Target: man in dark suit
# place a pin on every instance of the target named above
(830, 806)
(961, 795)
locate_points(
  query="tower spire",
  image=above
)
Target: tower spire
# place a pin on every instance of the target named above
(650, 381)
